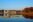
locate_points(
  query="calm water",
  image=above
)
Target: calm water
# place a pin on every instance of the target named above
(21, 19)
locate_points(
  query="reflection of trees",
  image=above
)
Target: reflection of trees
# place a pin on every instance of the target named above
(28, 12)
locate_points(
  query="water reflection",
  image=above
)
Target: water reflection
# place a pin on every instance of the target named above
(16, 19)
(21, 19)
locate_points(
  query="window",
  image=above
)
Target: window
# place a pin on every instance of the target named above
(5, 10)
(5, 14)
(1, 14)
(0, 10)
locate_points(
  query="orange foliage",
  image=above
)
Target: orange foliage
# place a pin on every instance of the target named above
(28, 12)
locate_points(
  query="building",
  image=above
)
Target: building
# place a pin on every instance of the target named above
(9, 12)
(1, 12)
(5, 12)
(12, 12)
(18, 12)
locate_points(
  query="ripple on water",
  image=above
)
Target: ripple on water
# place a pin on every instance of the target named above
(15, 20)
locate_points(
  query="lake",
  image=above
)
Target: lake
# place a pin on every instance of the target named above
(16, 19)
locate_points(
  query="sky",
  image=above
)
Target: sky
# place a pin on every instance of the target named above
(15, 4)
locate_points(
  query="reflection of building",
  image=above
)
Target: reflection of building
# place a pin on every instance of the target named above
(18, 12)
(5, 12)
(9, 12)
(1, 12)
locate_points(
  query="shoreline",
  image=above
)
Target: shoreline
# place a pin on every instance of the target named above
(11, 16)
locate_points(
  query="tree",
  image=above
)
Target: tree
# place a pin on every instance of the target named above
(29, 14)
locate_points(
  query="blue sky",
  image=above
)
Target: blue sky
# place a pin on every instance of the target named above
(15, 4)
